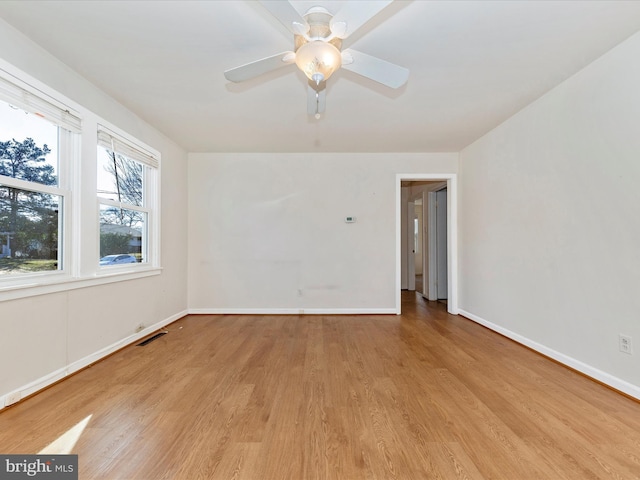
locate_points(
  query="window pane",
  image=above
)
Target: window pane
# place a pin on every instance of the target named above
(122, 232)
(119, 178)
(29, 231)
(28, 146)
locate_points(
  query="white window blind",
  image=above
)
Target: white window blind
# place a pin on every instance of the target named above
(38, 103)
(110, 141)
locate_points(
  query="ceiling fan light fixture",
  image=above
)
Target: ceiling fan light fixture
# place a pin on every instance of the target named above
(317, 48)
(318, 58)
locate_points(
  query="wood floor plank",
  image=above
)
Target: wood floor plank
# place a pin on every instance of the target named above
(420, 395)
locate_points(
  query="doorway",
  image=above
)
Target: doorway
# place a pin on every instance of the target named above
(421, 199)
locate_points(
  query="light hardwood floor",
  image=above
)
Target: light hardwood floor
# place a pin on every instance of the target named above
(424, 395)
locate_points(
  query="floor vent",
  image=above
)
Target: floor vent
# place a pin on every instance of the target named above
(151, 339)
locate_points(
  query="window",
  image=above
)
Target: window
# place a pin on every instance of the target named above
(36, 145)
(127, 177)
(56, 233)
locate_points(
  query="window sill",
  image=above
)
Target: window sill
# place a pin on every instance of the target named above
(61, 283)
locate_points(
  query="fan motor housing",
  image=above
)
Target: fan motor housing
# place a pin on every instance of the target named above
(319, 20)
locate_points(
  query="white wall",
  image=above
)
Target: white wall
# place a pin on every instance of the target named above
(267, 231)
(43, 337)
(550, 221)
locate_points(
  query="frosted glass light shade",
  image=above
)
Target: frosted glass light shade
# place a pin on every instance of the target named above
(318, 57)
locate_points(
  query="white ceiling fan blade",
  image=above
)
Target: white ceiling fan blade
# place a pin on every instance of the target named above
(355, 14)
(287, 15)
(376, 69)
(316, 100)
(264, 65)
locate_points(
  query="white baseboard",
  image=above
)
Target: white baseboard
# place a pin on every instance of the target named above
(292, 311)
(16, 395)
(604, 377)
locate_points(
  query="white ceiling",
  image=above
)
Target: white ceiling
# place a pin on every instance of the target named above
(473, 64)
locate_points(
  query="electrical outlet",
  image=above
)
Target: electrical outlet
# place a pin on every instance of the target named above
(625, 344)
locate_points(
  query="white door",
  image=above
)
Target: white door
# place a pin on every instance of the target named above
(442, 280)
(431, 270)
(425, 245)
(436, 279)
(411, 247)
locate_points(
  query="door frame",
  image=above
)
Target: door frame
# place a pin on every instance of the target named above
(452, 234)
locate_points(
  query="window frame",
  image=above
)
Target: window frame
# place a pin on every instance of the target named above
(20, 94)
(79, 219)
(133, 149)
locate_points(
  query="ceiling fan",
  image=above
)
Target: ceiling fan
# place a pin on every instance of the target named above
(317, 51)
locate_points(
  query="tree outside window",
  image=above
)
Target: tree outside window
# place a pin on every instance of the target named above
(29, 211)
(124, 208)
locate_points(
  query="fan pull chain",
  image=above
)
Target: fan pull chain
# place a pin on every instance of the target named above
(317, 115)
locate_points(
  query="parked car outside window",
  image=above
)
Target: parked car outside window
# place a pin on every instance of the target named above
(117, 259)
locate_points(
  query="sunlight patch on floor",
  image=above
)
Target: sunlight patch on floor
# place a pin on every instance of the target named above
(65, 443)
